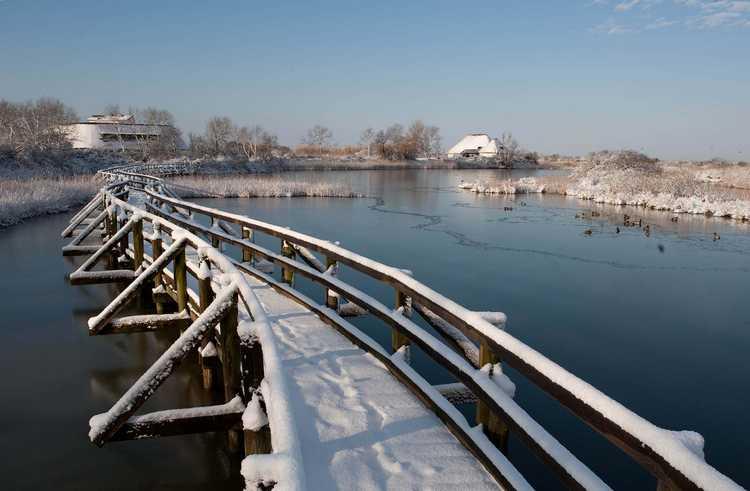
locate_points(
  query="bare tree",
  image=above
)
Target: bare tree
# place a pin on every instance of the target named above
(256, 142)
(167, 138)
(219, 132)
(320, 136)
(367, 138)
(508, 150)
(433, 141)
(37, 125)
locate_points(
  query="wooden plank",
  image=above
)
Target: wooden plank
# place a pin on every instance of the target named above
(142, 427)
(79, 250)
(147, 323)
(102, 277)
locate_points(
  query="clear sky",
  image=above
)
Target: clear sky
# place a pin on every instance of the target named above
(671, 77)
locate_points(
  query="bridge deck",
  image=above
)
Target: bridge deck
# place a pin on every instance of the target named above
(360, 428)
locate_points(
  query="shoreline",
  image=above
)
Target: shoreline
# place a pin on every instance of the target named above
(717, 206)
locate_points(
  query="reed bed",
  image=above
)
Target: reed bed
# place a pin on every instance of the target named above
(21, 199)
(629, 178)
(239, 186)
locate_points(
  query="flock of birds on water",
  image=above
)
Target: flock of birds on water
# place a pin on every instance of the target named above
(627, 221)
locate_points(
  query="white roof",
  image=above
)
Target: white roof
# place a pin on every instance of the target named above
(472, 141)
(491, 148)
(111, 118)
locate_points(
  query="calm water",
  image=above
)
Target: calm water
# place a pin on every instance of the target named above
(660, 323)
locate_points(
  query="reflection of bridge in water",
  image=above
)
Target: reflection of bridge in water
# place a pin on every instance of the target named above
(309, 399)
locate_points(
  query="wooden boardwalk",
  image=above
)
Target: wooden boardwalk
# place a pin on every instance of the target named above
(308, 400)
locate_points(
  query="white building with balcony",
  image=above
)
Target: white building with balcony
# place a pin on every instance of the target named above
(112, 132)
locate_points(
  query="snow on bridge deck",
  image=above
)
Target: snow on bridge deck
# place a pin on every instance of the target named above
(359, 427)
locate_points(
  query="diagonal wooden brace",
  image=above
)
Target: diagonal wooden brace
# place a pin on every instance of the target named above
(104, 426)
(81, 215)
(106, 315)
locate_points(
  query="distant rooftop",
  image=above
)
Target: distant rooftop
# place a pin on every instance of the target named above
(111, 118)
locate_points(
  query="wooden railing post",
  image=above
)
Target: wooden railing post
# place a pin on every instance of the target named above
(287, 274)
(137, 243)
(209, 364)
(247, 254)
(124, 242)
(494, 427)
(157, 249)
(230, 364)
(397, 339)
(251, 352)
(180, 279)
(214, 240)
(112, 229)
(332, 299)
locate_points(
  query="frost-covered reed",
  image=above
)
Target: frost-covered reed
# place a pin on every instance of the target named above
(244, 186)
(630, 178)
(27, 198)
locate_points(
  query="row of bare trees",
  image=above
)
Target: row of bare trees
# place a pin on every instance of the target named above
(397, 143)
(34, 125)
(223, 137)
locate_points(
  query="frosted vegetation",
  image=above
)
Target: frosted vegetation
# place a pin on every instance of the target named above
(631, 178)
(22, 199)
(249, 186)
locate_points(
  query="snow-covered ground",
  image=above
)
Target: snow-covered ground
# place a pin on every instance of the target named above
(624, 180)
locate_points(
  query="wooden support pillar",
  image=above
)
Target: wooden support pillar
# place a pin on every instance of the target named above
(180, 279)
(247, 254)
(494, 427)
(332, 299)
(287, 274)
(397, 339)
(230, 365)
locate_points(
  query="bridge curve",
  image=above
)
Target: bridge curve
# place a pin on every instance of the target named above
(315, 402)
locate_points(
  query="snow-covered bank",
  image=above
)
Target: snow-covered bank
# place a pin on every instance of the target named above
(628, 178)
(24, 199)
(244, 186)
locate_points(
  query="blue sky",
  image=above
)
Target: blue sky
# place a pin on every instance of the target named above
(671, 77)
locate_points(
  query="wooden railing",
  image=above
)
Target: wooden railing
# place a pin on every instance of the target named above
(221, 313)
(476, 345)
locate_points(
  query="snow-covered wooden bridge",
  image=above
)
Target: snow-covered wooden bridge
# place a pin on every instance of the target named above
(309, 400)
